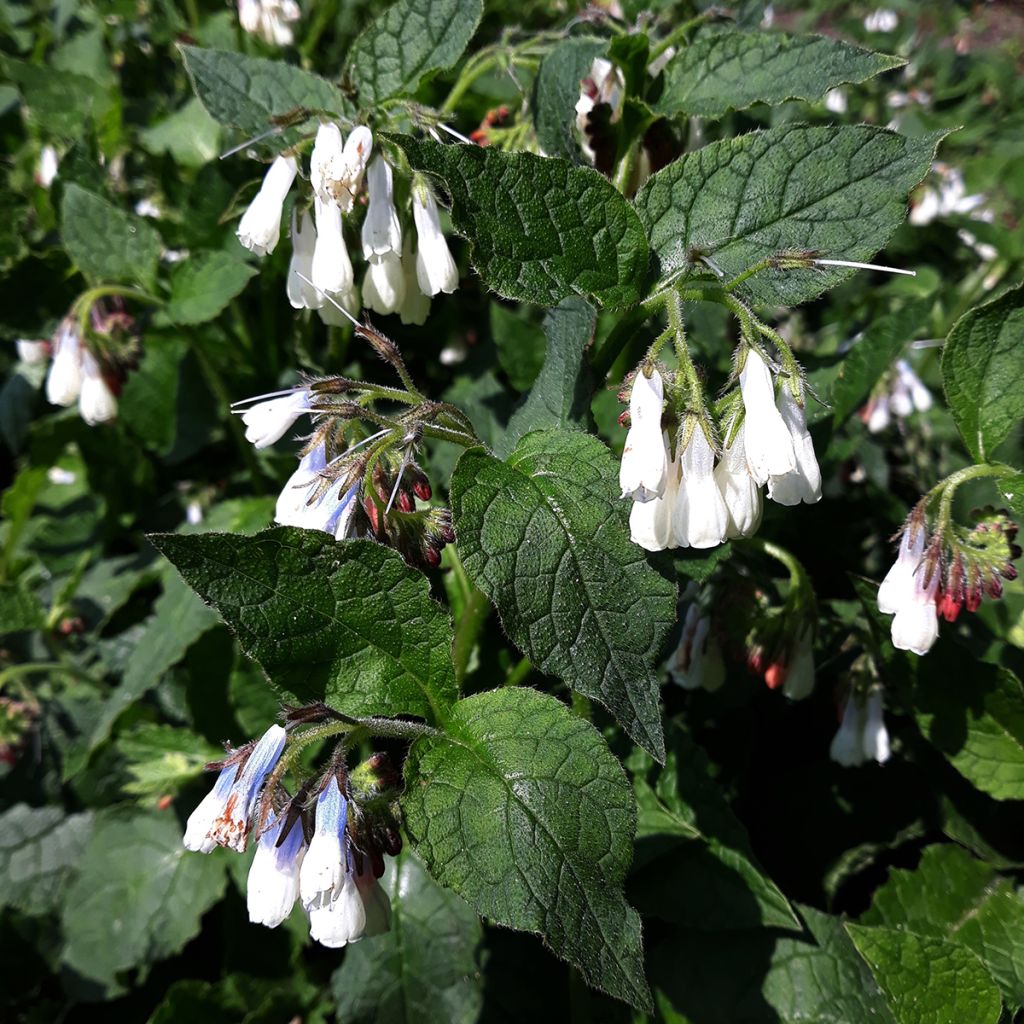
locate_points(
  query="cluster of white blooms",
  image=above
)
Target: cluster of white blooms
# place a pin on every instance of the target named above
(902, 393)
(862, 735)
(697, 662)
(604, 83)
(269, 19)
(910, 592)
(338, 887)
(946, 197)
(686, 500)
(881, 19)
(398, 279)
(76, 375)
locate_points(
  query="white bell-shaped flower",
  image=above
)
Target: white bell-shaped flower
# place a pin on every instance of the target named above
(331, 270)
(799, 681)
(740, 491)
(915, 626)
(803, 482)
(202, 820)
(384, 285)
(920, 396)
(415, 307)
(302, 294)
(266, 422)
(33, 352)
(875, 738)
(64, 381)
(435, 268)
(700, 518)
(341, 921)
(260, 226)
(878, 414)
(331, 315)
(644, 469)
(898, 587)
(847, 746)
(96, 402)
(336, 168)
(325, 867)
(294, 496)
(697, 662)
(327, 155)
(769, 445)
(273, 883)
(382, 233)
(376, 904)
(650, 522)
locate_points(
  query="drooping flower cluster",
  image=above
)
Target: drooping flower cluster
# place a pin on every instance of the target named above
(398, 279)
(900, 394)
(862, 735)
(271, 20)
(681, 497)
(323, 847)
(941, 573)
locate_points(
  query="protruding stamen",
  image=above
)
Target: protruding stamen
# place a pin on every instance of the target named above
(330, 298)
(864, 266)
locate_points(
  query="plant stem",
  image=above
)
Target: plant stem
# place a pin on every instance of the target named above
(947, 488)
(520, 671)
(674, 308)
(680, 32)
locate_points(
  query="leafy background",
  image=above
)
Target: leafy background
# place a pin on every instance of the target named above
(772, 885)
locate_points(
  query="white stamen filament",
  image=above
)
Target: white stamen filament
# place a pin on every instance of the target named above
(276, 130)
(330, 298)
(398, 481)
(864, 266)
(455, 134)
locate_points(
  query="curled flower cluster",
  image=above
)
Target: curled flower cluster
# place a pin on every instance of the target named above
(77, 374)
(324, 850)
(685, 499)
(943, 573)
(900, 394)
(398, 279)
(862, 735)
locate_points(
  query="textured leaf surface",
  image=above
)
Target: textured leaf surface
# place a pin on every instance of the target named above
(841, 191)
(106, 243)
(348, 623)
(560, 396)
(556, 92)
(19, 609)
(409, 41)
(149, 400)
(953, 896)
(983, 372)
(928, 981)
(541, 229)
(202, 286)
(250, 92)
(544, 536)
(39, 851)
(426, 968)
(729, 70)
(138, 897)
(522, 809)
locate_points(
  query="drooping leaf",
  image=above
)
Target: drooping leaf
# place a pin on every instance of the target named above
(730, 70)
(426, 968)
(410, 41)
(560, 396)
(838, 191)
(927, 980)
(348, 623)
(545, 537)
(541, 229)
(522, 809)
(556, 92)
(190, 135)
(202, 286)
(107, 243)
(983, 371)
(149, 401)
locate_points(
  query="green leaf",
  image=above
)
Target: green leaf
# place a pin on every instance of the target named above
(839, 191)
(19, 609)
(189, 135)
(426, 968)
(149, 401)
(39, 851)
(541, 229)
(523, 811)
(520, 344)
(694, 865)
(138, 897)
(410, 41)
(556, 92)
(202, 286)
(106, 243)
(928, 981)
(347, 623)
(982, 370)
(560, 397)
(728, 70)
(252, 94)
(162, 758)
(59, 103)
(545, 537)
(1011, 487)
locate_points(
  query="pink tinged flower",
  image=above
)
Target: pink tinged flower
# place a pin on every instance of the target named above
(381, 233)
(875, 738)
(698, 663)
(898, 587)
(64, 381)
(342, 920)
(325, 868)
(415, 306)
(769, 445)
(260, 226)
(700, 518)
(231, 828)
(800, 671)
(740, 491)
(384, 285)
(435, 268)
(331, 269)
(267, 422)
(33, 352)
(643, 472)
(200, 822)
(249, 14)
(273, 884)
(301, 294)
(803, 482)
(847, 746)
(96, 402)
(650, 522)
(915, 626)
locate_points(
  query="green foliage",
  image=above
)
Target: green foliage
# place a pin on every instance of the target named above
(556, 91)
(201, 287)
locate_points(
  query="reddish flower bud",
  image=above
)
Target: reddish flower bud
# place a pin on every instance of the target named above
(421, 487)
(949, 606)
(370, 508)
(405, 501)
(775, 674)
(392, 842)
(431, 556)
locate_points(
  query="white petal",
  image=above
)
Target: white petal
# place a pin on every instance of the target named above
(769, 447)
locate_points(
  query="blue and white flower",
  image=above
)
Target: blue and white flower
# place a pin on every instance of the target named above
(273, 884)
(325, 868)
(266, 422)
